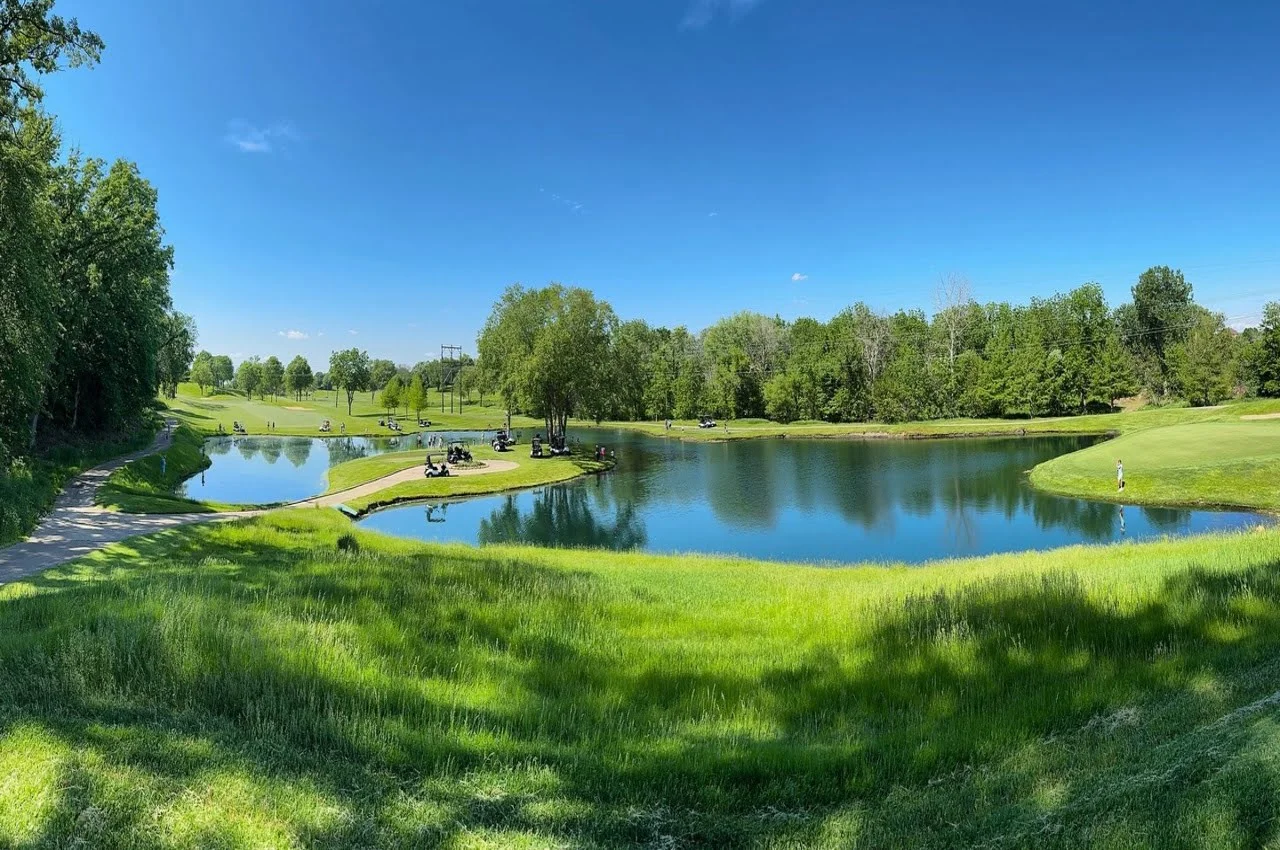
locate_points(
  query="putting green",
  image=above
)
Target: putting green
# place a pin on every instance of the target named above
(1210, 463)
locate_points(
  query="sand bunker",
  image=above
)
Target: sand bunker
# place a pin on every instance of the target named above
(1261, 416)
(289, 407)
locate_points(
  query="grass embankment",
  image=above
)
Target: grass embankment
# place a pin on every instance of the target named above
(30, 486)
(1146, 417)
(529, 472)
(250, 685)
(139, 487)
(1211, 463)
(303, 418)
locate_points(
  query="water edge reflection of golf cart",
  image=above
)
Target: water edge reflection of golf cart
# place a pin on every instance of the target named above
(433, 471)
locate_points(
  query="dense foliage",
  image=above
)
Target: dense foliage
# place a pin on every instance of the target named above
(87, 331)
(1067, 354)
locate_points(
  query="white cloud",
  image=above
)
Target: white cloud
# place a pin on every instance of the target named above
(292, 334)
(702, 12)
(249, 138)
(353, 332)
(797, 277)
(320, 334)
(713, 215)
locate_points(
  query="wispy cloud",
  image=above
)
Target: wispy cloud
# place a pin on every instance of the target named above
(713, 215)
(250, 138)
(568, 203)
(320, 334)
(702, 12)
(797, 277)
(292, 334)
(353, 332)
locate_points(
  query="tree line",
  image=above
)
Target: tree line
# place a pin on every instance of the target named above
(88, 334)
(559, 352)
(351, 371)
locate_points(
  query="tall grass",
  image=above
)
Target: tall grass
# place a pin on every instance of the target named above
(148, 485)
(255, 685)
(30, 485)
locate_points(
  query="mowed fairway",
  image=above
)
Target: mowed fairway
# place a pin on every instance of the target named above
(293, 417)
(259, 685)
(1212, 463)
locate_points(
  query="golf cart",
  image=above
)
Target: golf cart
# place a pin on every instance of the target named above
(502, 442)
(535, 447)
(558, 446)
(706, 422)
(433, 471)
(459, 453)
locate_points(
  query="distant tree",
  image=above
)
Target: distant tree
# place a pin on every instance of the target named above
(298, 378)
(1200, 365)
(1115, 376)
(223, 373)
(249, 377)
(1162, 313)
(1262, 356)
(415, 397)
(272, 376)
(350, 371)
(392, 394)
(380, 371)
(202, 371)
(174, 358)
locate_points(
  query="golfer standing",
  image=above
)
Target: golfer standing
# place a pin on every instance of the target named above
(1119, 475)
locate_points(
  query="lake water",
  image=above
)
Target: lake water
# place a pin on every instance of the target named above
(805, 500)
(267, 470)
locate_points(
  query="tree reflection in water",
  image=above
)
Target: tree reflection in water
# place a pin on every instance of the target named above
(562, 516)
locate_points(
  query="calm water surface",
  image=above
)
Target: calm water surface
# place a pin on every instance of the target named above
(810, 500)
(266, 470)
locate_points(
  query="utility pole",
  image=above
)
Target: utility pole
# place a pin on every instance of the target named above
(449, 355)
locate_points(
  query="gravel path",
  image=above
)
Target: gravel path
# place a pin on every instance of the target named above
(413, 473)
(76, 526)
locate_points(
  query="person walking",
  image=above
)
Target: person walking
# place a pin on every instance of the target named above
(1119, 475)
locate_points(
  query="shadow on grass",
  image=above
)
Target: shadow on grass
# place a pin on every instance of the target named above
(433, 694)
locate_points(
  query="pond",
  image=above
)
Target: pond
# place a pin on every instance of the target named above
(268, 470)
(804, 500)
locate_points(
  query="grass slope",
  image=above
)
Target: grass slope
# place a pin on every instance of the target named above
(140, 487)
(1211, 463)
(303, 418)
(30, 486)
(529, 473)
(1147, 417)
(250, 685)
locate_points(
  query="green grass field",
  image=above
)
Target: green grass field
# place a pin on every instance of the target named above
(293, 417)
(1147, 417)
(529, 473)
(250, 684)
(1231, 463)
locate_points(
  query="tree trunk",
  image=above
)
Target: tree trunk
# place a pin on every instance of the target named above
(35, 425)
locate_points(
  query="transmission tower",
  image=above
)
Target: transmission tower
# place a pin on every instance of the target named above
(449, 366)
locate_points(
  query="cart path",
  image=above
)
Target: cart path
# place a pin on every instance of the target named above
(413, 473)
(76, 526)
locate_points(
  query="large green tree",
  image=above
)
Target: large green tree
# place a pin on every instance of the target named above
(1162, 315)
(349, 371)
(298, 378)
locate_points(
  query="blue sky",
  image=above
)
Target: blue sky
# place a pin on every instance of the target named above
(375, 174)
